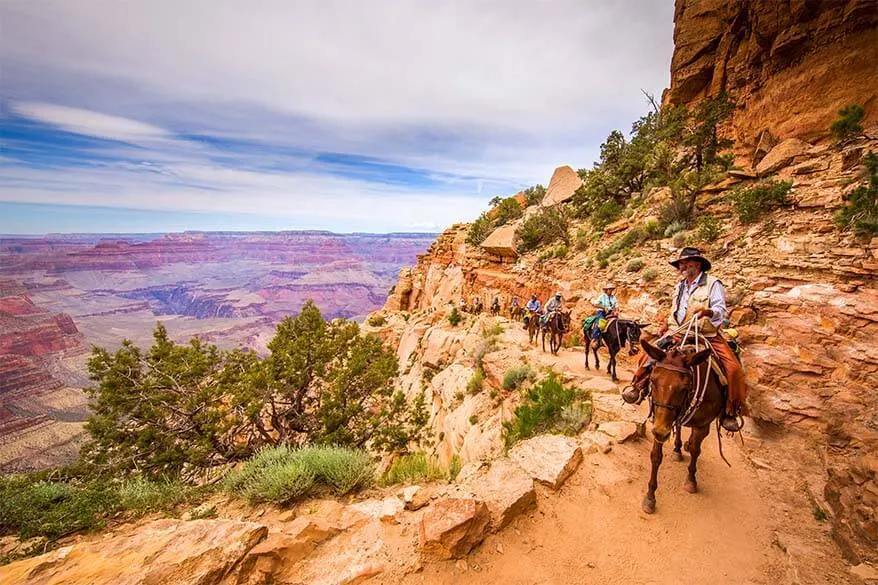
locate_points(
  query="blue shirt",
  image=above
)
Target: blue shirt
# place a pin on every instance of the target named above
(608, 302)
(533, 305)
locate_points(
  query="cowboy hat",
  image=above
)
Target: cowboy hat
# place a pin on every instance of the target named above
(692, 254)
(558, 294)
(609, 286)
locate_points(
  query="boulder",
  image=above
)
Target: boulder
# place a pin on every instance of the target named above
(506, 489)
(165, 551)
(297, 541)
(782, 155)
(501, 241)
(619, 431)
(562, 186)
(549, 459)
(594, 442)
(415, 497)
(452, 527)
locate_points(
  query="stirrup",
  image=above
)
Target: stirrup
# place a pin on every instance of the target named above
(732, 424)
(630, 397)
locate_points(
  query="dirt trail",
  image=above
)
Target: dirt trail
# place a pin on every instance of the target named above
(748, 524)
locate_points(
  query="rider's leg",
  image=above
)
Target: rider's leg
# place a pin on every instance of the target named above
(735, 404)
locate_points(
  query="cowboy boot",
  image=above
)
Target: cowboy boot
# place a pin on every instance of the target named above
(731, 422)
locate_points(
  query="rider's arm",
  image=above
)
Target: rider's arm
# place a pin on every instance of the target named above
(718, 303)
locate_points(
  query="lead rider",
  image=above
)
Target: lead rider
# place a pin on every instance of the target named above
(702, 296)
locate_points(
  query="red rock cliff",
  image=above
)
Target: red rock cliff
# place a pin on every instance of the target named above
(789, 64)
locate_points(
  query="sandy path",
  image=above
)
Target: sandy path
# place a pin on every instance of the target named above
(593, 530)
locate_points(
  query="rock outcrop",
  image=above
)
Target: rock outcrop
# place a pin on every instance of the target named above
(562, 186)
(789, 64)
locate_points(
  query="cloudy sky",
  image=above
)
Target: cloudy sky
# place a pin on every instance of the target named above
(387, 115)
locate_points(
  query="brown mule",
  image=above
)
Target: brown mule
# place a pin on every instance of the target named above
(684, 393)
(533, 326)
(557, 324)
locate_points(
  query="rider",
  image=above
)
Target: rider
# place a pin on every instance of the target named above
(552, 305)
(514, 305)
(533, 307)
(607, 305)
(702, 296)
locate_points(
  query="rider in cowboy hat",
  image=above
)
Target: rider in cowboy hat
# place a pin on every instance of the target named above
(698, 295)
(607, 305)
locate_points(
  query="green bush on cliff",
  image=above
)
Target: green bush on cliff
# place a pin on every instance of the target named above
(548, 407)
(479, 230)
(282, 474)
(860, 215)
(543, 228)
(191, 405)
(848, 125)
(412, 468)
(534, 195)
(752, 202)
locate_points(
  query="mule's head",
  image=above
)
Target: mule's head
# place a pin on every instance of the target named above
(670, 380)
(633, 336)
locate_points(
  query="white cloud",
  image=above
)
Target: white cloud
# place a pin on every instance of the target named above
(89, 123)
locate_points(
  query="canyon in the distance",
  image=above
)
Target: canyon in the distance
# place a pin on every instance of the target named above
(62, 294)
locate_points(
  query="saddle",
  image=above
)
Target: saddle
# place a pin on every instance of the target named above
(714, 363)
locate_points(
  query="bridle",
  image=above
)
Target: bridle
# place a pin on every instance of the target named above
(653, 403)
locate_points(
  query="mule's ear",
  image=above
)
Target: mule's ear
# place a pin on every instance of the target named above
(690, 361)
(652, 351)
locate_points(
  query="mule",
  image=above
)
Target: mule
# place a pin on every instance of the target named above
(495, 308)
(516, 312)
(556, 325)
(685, 393)
(532, 324)
(618, 333)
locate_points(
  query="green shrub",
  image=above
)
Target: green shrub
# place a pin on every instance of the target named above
(605, 214)
(474, 386)
(543, 228)
(455, 467)
(679, 240)
(847, 125)
(652, 230)
(35, 507)
(603, 263)
(634, 265)
(454, 317)
(493, 331)
(412, 468)
(674, 228)
(677, 211)
(621, 244)
(149, 496)
(751, 202)
(342, 469)
(709, 228)
(515, 377)
(649, 275)
(860, 215)
(479, 230)
(473, 419)
(377, 320)
(573, 417)
(534, 195)
(282, 474)
(541, 410)
(560, 251)
(458, 395)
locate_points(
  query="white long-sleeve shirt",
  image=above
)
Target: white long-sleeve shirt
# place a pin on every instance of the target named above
(717, 297)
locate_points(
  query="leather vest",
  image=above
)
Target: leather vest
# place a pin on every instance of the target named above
(699, 299)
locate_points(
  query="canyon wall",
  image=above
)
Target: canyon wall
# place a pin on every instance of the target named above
(788, 64)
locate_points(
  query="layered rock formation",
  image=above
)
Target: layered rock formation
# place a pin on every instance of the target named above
(789, 64)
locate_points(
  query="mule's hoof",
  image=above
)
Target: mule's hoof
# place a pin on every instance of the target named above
(648, 506)
(691, 487)
(678, 456)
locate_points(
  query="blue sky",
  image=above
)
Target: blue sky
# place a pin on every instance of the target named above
(398, 115)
